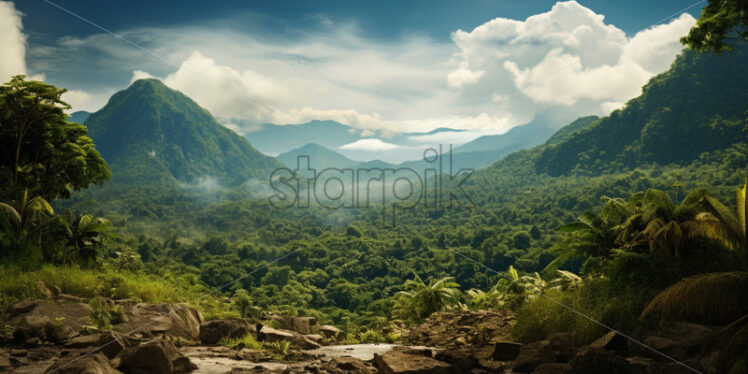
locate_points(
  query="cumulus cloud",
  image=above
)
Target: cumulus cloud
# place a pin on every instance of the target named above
(12, 42)
(559, 64)
(566, 57)
(226, 91)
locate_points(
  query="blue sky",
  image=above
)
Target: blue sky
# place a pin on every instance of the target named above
(385, 66)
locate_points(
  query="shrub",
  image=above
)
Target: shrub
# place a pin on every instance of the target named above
(712, 299)
(248, 341)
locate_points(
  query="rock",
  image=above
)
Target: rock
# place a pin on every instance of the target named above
(558, 349)
(331, 332)
(346, 365)
(172, 320)
(157, 357)
(91, 364)
(725, 349)
(401, 363)
(22, 307)
(111, 344)
(463, 328)
(612, 341)
(213, 331)
(552, 368)
(594, 360)
(183, 365)
(419, 351)
(267, 333)
(42, 354)
(82, 341)
(505, 351)
(48, 320)
(463, 360)
(302, 325)
(315, 337)
(678, 340)
(4, 360)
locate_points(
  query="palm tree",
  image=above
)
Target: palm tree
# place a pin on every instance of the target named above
(25, 216)
(85, 234)
(419, 300)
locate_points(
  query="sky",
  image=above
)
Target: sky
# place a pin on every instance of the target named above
(385, 66)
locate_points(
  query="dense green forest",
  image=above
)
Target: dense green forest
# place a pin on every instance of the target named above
(603, 216)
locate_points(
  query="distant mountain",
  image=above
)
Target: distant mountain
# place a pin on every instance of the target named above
(275, 139)
(319, 158)
(697, 106)
(520, 137)
(150, 133)
(569, 130)
(79, 117)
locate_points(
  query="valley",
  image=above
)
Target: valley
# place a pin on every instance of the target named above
(152, 236)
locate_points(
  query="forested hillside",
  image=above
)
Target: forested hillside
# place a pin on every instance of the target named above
(151, 134)
(696, 106)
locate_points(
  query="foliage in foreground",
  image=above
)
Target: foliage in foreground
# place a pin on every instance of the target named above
(712, 298)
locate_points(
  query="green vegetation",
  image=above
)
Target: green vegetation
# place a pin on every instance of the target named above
(718, 20)
(596, 219)
(247, 341)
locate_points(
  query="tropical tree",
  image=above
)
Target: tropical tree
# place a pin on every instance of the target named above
(42, 151)
(25, 217)
(718, 20)
(419, 299)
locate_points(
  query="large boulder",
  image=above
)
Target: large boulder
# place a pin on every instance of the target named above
(595, 360)
(172, 320)
(557, 348)
(269, 334)
(212, 332)
(463, 359)
(678, 340)
(302, 325)
(91, 364)
(346, 365)
(155, 357)
(725, 351)
(48, 320)
(111, 344)
(505, 350)
(394, 362)
(612, 341)
(331, 332)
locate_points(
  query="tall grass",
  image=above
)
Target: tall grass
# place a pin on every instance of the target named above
(617, 308)
(18, 285)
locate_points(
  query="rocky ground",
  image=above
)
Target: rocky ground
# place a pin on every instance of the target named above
(55, 336)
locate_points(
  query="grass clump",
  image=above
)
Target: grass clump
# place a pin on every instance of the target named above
(614, 307)
(248, 341)
(712, 299)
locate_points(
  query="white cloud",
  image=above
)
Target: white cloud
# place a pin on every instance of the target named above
(12, 42)
(565, 58)
(139, 74)
(558, 64)
(370, 145)
(82, 100)
(225, 91)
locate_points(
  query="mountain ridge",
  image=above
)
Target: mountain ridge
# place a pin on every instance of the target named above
(152, 133)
